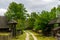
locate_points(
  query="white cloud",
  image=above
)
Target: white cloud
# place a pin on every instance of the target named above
(39, 2)
(38, 5)
(48, 0)
(32, 5)
(2, 11)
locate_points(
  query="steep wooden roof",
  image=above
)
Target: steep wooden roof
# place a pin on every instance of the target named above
(57, 20)
(57, 28)
(3, 22)
(12, 22)
(52, 21)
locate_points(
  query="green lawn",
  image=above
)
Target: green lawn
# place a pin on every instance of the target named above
(20, 37)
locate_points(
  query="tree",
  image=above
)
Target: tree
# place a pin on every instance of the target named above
(58, 11)
(17, 12)
(47, 16)
(31, 19)
(43, 19)
(53, 13)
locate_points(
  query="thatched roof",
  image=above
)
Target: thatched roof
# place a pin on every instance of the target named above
(57, 20)
(3, 22)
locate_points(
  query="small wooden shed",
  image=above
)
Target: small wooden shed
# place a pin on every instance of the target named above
(12, 24)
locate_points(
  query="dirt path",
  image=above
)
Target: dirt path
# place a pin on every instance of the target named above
(33, 36)
(29, 33)
(27, 36)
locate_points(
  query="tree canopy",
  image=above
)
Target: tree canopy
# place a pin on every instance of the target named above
(17, 12)
(35, 20)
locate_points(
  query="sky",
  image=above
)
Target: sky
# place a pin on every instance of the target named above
(30, 5)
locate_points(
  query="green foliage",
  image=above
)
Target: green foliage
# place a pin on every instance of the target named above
(17, 12)
(35, 20)
(39, 21)
(53, 13)
(20, 25)
(31, 19)
(58, 11)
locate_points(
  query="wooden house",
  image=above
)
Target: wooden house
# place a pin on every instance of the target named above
(53, 29)
(4, 24)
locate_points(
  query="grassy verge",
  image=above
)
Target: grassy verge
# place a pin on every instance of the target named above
(20, 37)
(40, 37)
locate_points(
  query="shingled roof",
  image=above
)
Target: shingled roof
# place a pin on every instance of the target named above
(3, 22)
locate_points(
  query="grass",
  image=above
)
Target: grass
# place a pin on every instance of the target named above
(45, 38)
(30, 37)
(40, 37)
(20, 37)
(3, 34)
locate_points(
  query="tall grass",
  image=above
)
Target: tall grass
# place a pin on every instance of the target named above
(20, 37)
